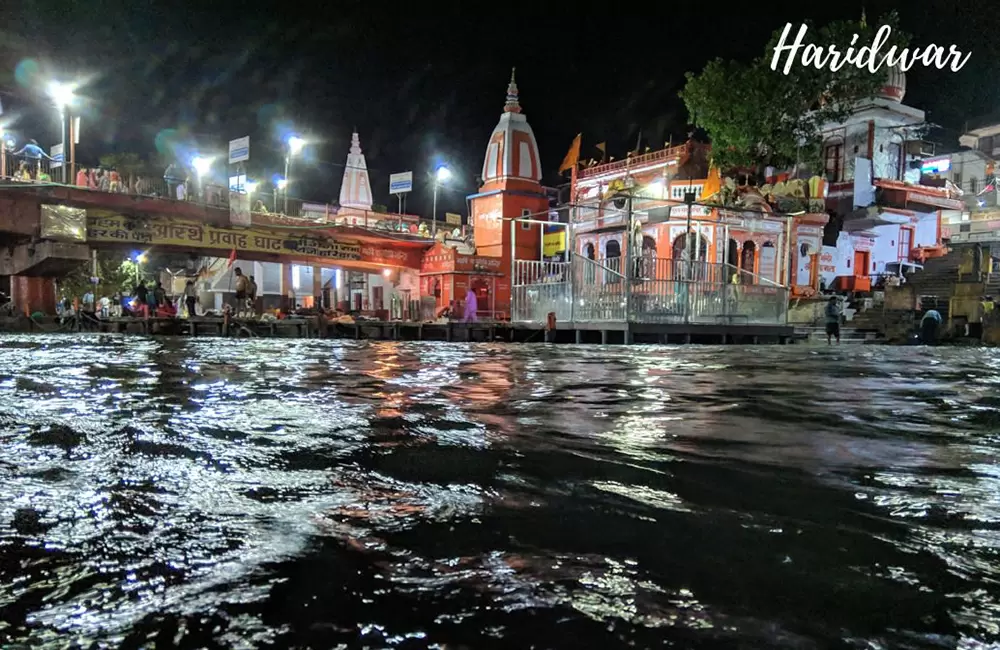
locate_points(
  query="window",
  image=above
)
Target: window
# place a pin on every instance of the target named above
(894, 153)
(832, 158)
(986, 144)
(526, 214)
(956, 178)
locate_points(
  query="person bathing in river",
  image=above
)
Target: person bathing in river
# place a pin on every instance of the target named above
(832, 320)
(929, 327)
(141, 295)
(252, 290)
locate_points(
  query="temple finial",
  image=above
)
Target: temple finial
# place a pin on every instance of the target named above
(512, 105)
(355, 142)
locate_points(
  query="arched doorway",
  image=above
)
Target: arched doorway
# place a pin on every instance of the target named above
(768, 261)
(589, 251)
(686, 257)
(588, 269)
(747, 259)
(612, 258)
(732, 256)
(647, 263)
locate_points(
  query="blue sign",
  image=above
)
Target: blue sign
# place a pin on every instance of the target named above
(401, 183)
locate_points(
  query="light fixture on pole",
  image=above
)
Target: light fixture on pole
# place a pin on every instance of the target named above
(295, 145)
(281, 184)
(62, 95)
(201, 166)
(251, 187)
(440, 176)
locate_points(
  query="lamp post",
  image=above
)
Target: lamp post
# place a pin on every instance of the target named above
(201, 167)
(440, 176)
(295, 145)
(62, 95)
(280, 185)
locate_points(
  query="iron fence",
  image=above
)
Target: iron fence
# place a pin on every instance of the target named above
(656, 291)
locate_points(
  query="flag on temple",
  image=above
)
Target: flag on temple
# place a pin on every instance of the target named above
(603, 148)
(232, 259)
(572, 156)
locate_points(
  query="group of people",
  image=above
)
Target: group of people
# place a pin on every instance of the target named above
(246, 291)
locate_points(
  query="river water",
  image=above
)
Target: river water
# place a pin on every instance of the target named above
(322, 494)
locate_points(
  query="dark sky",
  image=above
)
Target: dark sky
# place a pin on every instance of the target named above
(422, 82)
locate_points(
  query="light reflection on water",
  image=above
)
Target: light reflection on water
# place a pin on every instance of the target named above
(270, 493)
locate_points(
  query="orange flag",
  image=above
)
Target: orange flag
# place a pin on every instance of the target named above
(572, 156)
(232, 259)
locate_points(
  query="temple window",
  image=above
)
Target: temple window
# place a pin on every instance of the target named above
(833, 154)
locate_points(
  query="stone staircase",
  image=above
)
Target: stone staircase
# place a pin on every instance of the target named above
(817, 334)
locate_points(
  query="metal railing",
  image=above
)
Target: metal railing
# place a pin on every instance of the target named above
(656, 291)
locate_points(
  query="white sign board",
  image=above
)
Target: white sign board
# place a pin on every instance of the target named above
(401, 183)
(57, 152)
(239, 150)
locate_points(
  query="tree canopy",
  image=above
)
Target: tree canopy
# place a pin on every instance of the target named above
(757, 117)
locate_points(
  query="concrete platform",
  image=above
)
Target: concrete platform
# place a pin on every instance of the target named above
(595, 333)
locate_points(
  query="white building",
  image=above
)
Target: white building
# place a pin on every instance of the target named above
(873, 164)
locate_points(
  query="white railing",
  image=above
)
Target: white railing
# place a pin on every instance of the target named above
(656, 291)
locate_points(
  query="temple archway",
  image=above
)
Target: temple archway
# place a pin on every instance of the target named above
(732, 253)
(747, 259)
(686, 240)
(768, 261)
(612, 258)
(589, 251)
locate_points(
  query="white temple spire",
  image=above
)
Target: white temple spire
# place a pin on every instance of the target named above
(356, 190)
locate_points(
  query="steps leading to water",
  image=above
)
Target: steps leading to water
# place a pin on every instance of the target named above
(817, 334)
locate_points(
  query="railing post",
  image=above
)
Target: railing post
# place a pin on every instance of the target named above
(627, 271)
(572, 286)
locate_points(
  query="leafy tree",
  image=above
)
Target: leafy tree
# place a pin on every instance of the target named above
(758, 117)
(113, 273)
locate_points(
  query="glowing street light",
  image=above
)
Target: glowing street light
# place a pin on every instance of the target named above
(295, 145)
(280, 186)
(62, 95)
(201, 166)
(440, 176)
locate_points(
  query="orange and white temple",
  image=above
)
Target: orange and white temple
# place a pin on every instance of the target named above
(511, 189)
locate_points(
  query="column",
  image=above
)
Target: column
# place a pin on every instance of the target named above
(317, 288)
(287, 293)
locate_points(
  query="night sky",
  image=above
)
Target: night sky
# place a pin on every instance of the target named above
(422, 82)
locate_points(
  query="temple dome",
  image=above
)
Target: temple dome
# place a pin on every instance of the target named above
(512, 152)
(895, 85)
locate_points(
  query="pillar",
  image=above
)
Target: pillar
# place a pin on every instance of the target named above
(31, 294)
(287, 292)
(317, 289)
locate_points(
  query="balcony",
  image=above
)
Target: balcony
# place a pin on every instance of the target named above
(636, 162)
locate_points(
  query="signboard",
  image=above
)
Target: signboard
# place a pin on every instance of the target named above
(401, 183)
(239, 209)
(63, 223)
(239, 149)
(554, 242)
(453, 219)
(119, 229)
(56, 152)
(936, 166)
(237, 183)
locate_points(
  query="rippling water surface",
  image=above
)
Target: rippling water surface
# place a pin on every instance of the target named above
(268, 493)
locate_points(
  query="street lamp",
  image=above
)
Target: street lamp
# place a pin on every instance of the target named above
(201, 166)
(440, 176)
(62, 95)
(281, 184)
(295, 145)
(251, 187)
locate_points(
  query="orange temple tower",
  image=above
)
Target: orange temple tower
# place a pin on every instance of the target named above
(512, 174)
